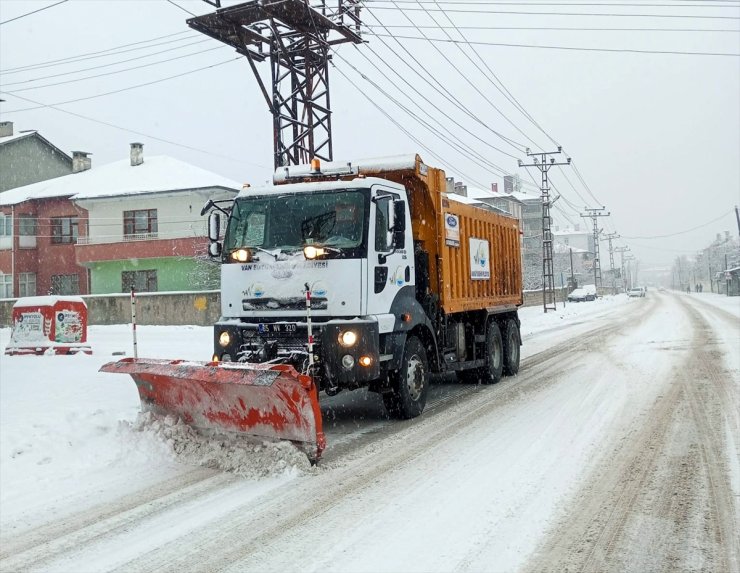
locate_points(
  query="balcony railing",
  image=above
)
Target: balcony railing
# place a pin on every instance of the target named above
(107, 239)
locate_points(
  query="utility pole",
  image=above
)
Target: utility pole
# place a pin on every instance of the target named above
(737, 216)
(610, 237)
(540, 161)
(621, 251)
(629, 259)
(594, 214)
(296, 36)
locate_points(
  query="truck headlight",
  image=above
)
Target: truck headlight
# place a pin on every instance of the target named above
(224, 339)
(348, 338)
(311, 252)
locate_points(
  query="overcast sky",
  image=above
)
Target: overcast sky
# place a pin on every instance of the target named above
(655, 136)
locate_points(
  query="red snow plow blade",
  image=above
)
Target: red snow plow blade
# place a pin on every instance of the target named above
(267, 401)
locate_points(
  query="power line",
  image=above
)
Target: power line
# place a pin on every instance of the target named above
(181, 8)
(686, 231)
(502, 89)
(121, 71)
(468, 80)
(122, 89)
(147, 135)
(554, 28)
(398, 125)
(33, 12)
(573, 48)
(440, 89)
(98, 54)
(589, 14)
(598, 4)
(109, 65)
(454, 141)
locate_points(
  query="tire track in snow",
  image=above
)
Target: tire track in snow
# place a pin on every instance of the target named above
(62, 541)
(297, 507)
(43, 544)
(644, 508)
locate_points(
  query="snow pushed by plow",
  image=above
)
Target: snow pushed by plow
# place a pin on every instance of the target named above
(233, 454)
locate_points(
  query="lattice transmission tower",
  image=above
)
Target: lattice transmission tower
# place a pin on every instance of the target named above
(296, 37)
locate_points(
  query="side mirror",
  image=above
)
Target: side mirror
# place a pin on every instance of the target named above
(214, 226)
(214, 249)
(399, 225)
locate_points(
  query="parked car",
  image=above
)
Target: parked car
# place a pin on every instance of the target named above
(591, 293)
(636, 292)
(579, 295)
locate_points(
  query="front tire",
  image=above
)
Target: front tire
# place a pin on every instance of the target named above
(410, 384)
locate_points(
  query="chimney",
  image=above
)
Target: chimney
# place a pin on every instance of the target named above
(461, 188)
(719, 237)
(494, 187)
(449, 184)
(727, 235)
(81, 161)
(6, 128)
(137, 154)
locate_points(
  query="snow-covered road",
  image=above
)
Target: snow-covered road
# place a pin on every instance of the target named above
(616, 448)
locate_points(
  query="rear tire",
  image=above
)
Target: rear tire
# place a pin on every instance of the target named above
(410, 384)
(512, 343)
(493, 369)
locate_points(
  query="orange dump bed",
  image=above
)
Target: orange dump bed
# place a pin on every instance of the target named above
(474, 253)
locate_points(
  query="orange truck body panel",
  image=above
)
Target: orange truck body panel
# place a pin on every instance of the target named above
(451, 265)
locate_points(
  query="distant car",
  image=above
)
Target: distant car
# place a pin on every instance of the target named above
(636, 292)
(590, 291)
(579, 295)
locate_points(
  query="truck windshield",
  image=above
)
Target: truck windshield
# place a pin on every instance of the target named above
(287, 223)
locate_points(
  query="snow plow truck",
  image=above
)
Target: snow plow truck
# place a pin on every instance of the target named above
(338, 277)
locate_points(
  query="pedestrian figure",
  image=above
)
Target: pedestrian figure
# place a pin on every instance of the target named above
(701, 287)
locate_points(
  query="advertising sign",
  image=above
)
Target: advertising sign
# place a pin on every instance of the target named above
(480, 262)
(452, 230)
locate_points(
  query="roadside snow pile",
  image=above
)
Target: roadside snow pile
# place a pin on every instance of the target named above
(225, 453)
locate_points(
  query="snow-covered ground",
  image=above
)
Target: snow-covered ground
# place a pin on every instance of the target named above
(70, 442)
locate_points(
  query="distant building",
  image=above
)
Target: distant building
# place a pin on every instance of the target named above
(129, 223)
(27, 157)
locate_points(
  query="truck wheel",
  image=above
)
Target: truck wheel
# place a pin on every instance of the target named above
(410, 384)
(512, 342)
(492, 371)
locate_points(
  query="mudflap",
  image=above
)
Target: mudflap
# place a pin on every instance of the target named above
(261, 400)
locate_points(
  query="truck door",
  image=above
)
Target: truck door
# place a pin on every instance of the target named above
(388, 270)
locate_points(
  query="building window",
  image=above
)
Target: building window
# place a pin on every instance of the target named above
(65, 284)
(27, 226)
(141, 222)
(141, 281)
(64, 230)
(6, 225)
(26, 284)
(6, 286)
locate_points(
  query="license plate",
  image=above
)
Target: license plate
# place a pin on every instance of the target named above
(277, 329)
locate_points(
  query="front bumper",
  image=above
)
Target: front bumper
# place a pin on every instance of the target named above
(248, 344)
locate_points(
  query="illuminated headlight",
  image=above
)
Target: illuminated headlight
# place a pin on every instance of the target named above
(347, 361)
(311, 252)
(348, 338)
(224, 339)
(241, 255)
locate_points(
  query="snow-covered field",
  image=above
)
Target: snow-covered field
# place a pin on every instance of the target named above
(70, 442)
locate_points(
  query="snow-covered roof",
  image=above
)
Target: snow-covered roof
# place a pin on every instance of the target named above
(563, 248)
(15, 136)
(463, 199)
(46, 300)
(571, 232)
(157, 174)
(32, 133)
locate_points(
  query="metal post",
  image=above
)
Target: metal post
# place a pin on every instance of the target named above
(133, 321)
(310, 330)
